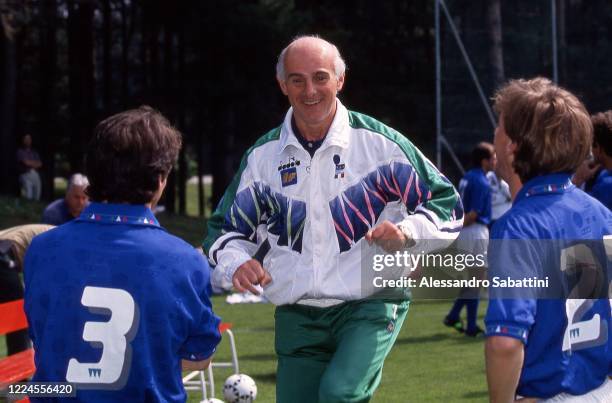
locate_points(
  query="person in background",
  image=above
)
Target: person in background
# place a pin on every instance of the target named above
(63, 210)
(595, 174)
(475, 193)
(501, 199)
(29, 163)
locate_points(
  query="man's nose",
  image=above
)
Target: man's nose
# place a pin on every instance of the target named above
(310, 88)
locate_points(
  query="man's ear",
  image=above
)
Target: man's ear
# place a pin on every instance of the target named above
(512, 147)
(340, 83)
(283, 85)
(162, 180)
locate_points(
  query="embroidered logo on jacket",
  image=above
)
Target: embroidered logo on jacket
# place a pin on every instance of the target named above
(288, 172)
(339, 173)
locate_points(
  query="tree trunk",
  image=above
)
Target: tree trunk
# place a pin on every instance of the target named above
(165, 96)
(48, 125)
(107, 79)
(496, 55)
(179, 92)
(562, 42)
(80, 57)
(8, 107)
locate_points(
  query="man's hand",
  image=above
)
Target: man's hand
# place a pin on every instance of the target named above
(388, 236)
(249, 274)
(195, 365)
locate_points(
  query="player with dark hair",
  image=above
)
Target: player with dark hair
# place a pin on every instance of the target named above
(114, 301)
(475, 192)
(596, 174)
(553, 345)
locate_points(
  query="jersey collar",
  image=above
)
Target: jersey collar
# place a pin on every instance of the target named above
(135, 214)
(337, 135)
(546, 184)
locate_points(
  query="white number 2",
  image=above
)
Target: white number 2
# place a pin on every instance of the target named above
(581, 334)
(113, 337)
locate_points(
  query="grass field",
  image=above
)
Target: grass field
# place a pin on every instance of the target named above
(429, 363)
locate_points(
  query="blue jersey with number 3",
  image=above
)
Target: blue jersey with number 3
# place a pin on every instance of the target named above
(113, 304)
(568, 342)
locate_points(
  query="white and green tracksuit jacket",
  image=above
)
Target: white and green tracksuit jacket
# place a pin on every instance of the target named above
(316, 211)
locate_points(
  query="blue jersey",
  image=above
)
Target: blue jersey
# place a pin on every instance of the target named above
(568, 342)
(114, 302)
(475, 192)
(602, 189)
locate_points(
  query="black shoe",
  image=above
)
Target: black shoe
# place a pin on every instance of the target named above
(455, 324)
(475, 333)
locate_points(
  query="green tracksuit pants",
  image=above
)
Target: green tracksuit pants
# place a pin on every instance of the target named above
(334, 354)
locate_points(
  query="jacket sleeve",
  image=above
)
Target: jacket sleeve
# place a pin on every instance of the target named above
(435, 217)
(232, 237)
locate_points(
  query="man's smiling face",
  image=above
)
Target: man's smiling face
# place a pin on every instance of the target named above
(311, 83)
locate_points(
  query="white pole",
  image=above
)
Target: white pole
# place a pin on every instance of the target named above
(438, 89)
(468, 63)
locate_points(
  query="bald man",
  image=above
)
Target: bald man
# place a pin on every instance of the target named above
(324, 189)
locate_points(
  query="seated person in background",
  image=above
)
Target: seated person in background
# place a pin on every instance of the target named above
(596, 174)
(13, 245)
(63, 210)
(115, 302)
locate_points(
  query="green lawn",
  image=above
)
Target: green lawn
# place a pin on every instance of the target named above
(429, 363)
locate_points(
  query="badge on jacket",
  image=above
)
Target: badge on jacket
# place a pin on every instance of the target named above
(288, 172)
(339, 172)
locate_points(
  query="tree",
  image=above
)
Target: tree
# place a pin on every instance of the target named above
(494, 27)
(10, 28)
(81, 79)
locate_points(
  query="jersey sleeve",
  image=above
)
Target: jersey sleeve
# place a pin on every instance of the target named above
(204, 335)
(511, 312)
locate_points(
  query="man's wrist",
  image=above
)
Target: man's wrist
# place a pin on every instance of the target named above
(407, 232)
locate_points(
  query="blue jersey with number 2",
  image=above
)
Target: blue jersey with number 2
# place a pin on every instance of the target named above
(567, 341)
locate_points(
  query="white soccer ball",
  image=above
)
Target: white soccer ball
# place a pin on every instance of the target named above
(239, 388)
(212, 400)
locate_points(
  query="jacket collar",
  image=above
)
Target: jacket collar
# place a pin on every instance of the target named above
(337, 135)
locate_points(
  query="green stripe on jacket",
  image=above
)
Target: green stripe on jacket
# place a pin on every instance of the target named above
(215, 223)
(444, 198)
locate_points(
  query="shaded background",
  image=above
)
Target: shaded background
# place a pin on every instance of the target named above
(209, 67)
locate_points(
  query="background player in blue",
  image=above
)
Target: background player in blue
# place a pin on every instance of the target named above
(596, 174)
(546, 348)
(475, 193)
(113, 301)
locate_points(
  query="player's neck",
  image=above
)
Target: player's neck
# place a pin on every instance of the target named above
(515, 184)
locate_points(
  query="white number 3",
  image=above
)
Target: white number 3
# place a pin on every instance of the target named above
(113, 337)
